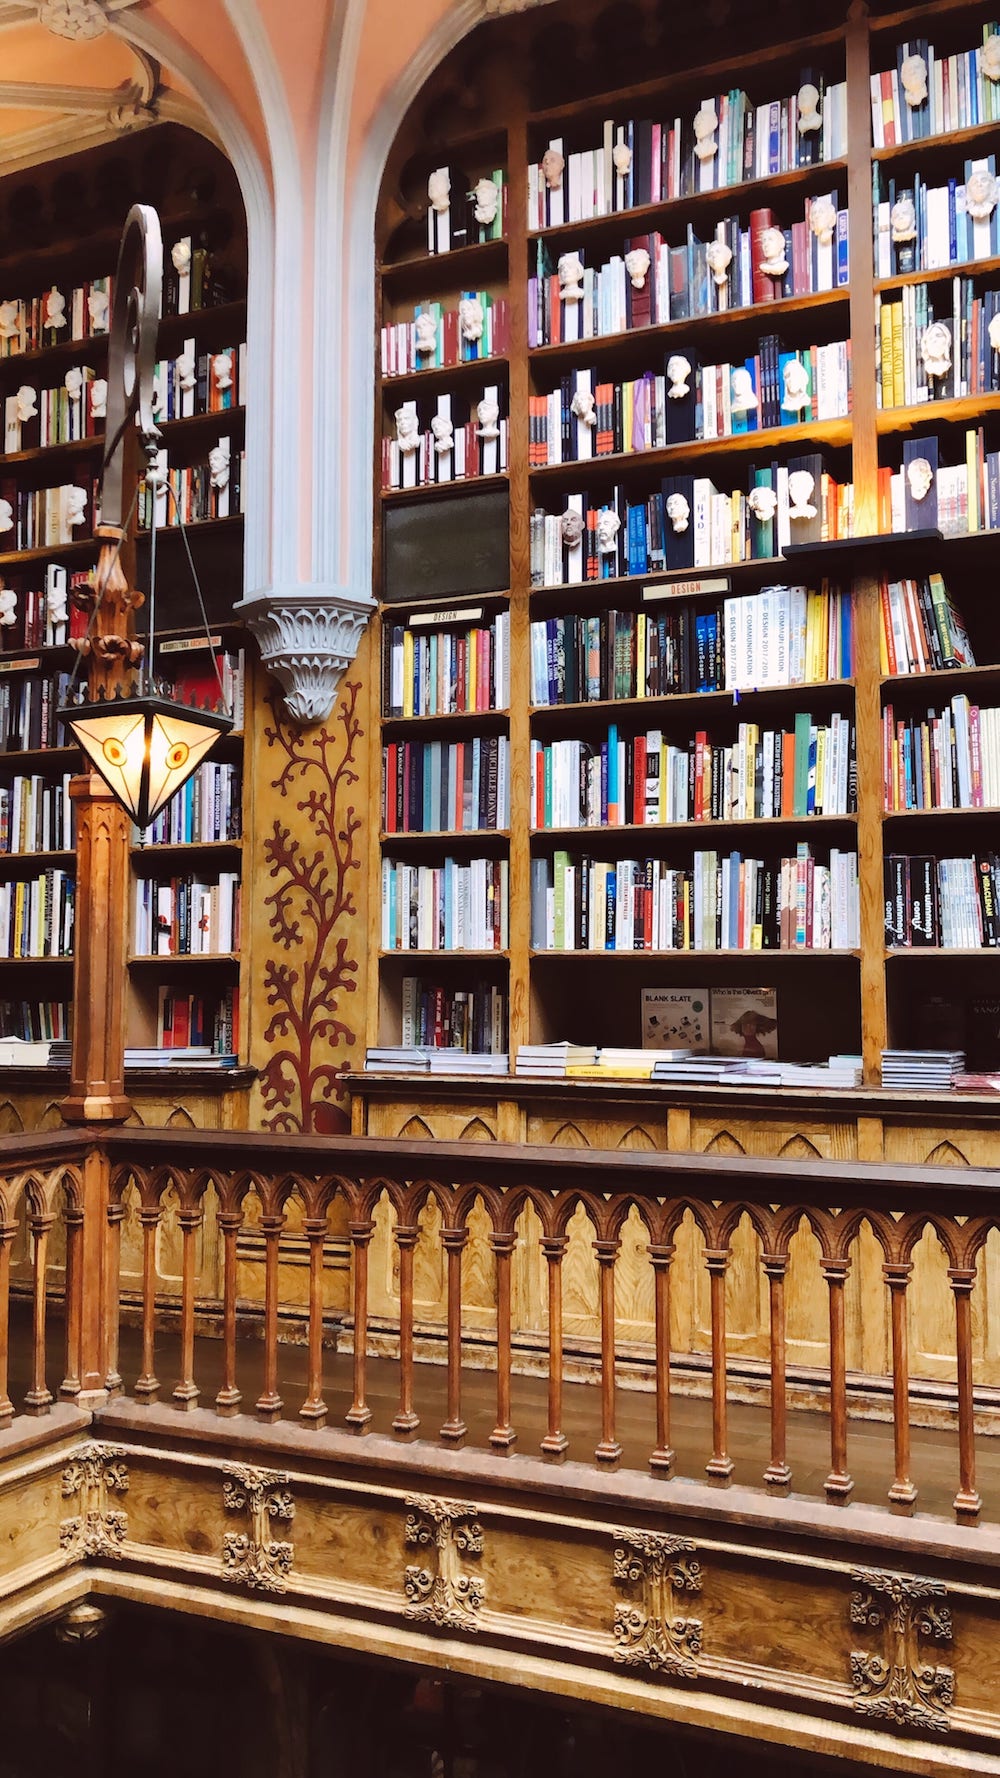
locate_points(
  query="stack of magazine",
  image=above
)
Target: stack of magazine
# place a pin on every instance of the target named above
(932, 1070)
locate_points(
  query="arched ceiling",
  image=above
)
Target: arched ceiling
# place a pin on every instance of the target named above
(69, 78)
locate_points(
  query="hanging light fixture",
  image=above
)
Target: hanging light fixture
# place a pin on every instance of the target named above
(144, 743)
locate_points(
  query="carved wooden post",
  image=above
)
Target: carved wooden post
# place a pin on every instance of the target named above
(777, 1474)
(98, 1294)
(609, 1450)
(69, 1388)
(967, 1502)
(147, 1385)
(897, 1276)
(7, 1232)
(661, 1256)
(112, 1298)
(102, 904)
(269, 1402)
(838, 1484)
(454, 1241)
(359, 1413)
(39, 1397)
(229, 1396)
(503, 1243)
(720, 1465)
(406, 1420)
(314, 1407)
(187, 1392)
(555, 1441)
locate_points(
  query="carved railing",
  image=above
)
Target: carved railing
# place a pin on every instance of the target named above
(348, 1184)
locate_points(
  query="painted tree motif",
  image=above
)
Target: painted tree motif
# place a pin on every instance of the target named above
(311, 914)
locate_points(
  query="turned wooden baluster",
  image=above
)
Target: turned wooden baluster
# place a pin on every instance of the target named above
(720, 1465)
(454, 1241)
(229, 1395)
(838, 1484)
(269, 1402)
(555, 1441)
(8, 1230)
(897, 1276)
(112, 1298)
(71, 1385)
(359, 1413)
(313, 1408)
(147, 1386)
(186, 1392)
(406, 1420)
(661, 1255)
(503, 1243)
(39, 1397)
(609, 1450)
(777, 1474)
(967, 1502)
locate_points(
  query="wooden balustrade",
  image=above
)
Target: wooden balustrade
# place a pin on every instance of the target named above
(343, 1186)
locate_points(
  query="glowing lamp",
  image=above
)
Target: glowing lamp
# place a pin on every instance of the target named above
(144, 747)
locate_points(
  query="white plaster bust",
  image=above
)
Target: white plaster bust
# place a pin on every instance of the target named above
(218, 463)
(471, 318)
(935, 349)
(187, 371)
(55, 605)
(994, 333)
(180, 256)
(920, 477)
(608, 527)
(800, 489)
(26, 403)
(763, 503)
(823, 220)
(913, 78)
(796, 380)
(486, 198)
(54, 309)
(73, 383)
(678, 371)
(439, 189)
(706, 122)
(97, 309)
(99, 398)
(719, 256)
(222, 369)
(571, 527)
(808, 105)
(6, 516)
(903, 219)
(444, 434)
(570, 271)
(8, 320)
(552, 168)
(407, 428)
(582, 407)
(426, 331)
(637, 266)
(488, 414)
(990, 58)
(678, 511)
(8, 606)
(76, 506)
(621, 154)
(742, 398)
(772, 246)
(981, 194)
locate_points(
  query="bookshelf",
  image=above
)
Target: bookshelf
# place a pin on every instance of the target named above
(648, 513)
(184, 965)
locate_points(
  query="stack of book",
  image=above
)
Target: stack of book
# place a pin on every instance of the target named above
(396, 1058)
(551, 1060)
(23, 1052)
(456, 1061)
(425, 1058)
(697, 1070)
(924, 1069)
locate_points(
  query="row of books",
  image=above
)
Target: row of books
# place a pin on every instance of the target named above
(840, 1071)
(28, 705)
(643, 780)
(199, 382)
(431, 672)
(208, 807)
(450, 1058)
(435, 1016)
(922, 630)
(74, 409)
(36, 915)
(30, 323)
(942, 903)
(195, 678)
(779, 636)
(943, 760)
(972, 366)
(198, 1021)
(478, 328)
(728, 141)
(958, 497)
(653, 280)
(200, 491)
(439, 787)
(923, 228)
(43, 614)
(445, 441)
(459, 217)
(586, 417)
(688, 523)
(40, 518)
(36, 815)
(721, 902)
(187, 916)
(961, 92)
(460, 905)
(34, 1021)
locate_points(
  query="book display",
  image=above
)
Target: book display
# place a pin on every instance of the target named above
(56, 292)
(737, 557)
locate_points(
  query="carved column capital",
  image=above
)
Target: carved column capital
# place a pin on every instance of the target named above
(308, 636)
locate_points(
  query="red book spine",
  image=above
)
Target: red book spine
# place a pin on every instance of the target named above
(763, 285)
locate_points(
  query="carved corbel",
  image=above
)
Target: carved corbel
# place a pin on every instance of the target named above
(900, 1684)
(440, 1592)
(308, 638)
(95, 1474)
(652, 1569)
(255, 1557)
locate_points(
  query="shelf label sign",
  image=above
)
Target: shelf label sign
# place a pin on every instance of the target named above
(674, 589)
(430, 620)
(20, 666)
(181, 644)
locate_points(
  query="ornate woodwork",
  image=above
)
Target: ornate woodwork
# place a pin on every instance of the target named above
(254, 1557)
(440, 1591)
(900, 1683)
(654, 1571)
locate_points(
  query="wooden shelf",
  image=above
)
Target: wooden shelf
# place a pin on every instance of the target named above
(604, 344)
(478, 262)
(727, 197)
(829, 434)
(440, 836)
(444, 376)
(28, 863)
(168, 959)
(964, 408)
(984, 133)
(429, 958)
(897, 951)
(494, 721)
(75, 552)
(34, 758)
(160, 852)
(435, 490)
(678, 700)
(701, 957)
(966, 268)
(633, 830)
(36, 962)
(939, 814)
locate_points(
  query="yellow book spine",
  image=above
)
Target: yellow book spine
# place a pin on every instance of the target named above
(898, 370)
(407, 672)
(972, 477)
